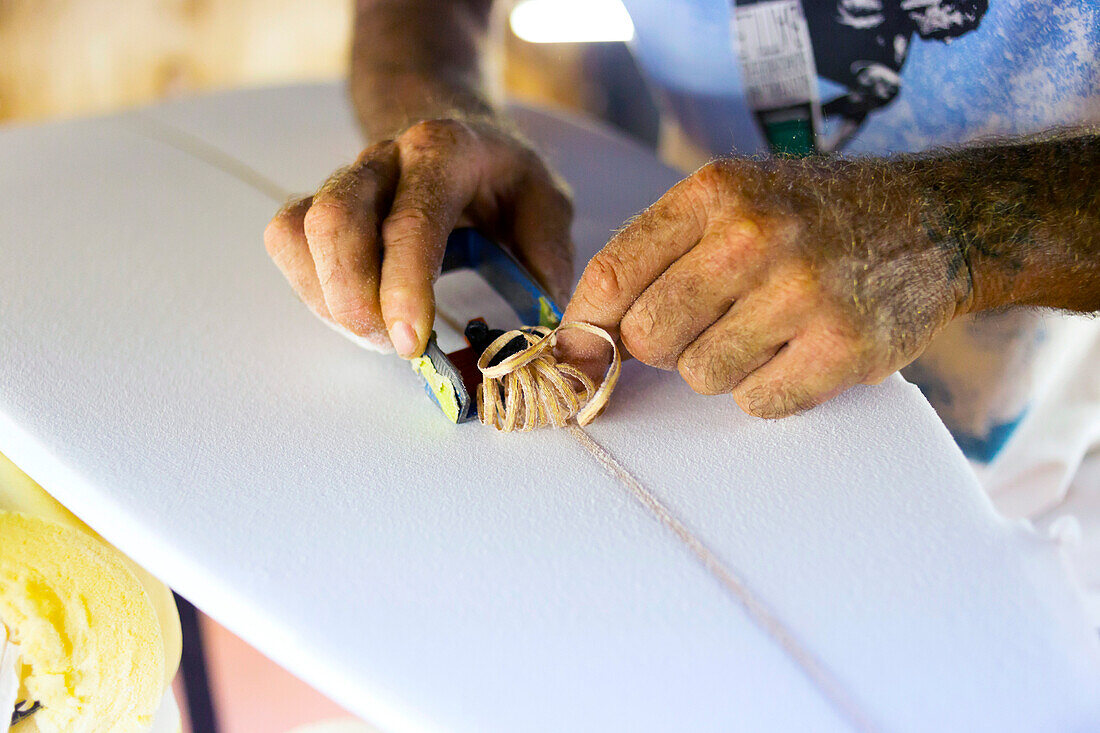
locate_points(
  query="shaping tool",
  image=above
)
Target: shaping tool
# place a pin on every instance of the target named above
(451, 379)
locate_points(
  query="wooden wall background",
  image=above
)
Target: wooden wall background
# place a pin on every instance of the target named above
(74, 57)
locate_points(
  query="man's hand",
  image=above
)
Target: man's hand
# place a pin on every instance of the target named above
(364, 251)
(785, 281)
(782, 282)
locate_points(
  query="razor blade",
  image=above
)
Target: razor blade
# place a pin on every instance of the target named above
(451, 380)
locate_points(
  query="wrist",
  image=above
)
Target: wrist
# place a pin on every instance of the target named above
(388, 101)
(1017, 215)
(947, 236)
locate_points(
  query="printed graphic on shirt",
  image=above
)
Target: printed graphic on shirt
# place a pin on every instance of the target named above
(777, 66)
(1028, 66)
(862, 45)
(859, 45)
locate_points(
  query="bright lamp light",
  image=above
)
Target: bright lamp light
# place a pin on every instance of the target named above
(571, 21)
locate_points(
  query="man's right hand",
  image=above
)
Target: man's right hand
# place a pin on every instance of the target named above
(365, 250)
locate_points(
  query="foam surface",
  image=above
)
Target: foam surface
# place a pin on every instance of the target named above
(160, 378)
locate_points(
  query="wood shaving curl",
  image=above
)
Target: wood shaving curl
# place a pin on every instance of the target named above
(531, 389)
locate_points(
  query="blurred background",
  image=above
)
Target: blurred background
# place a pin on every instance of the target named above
(69, 58)
(62, 58)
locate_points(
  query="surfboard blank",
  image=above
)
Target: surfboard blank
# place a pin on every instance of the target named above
(160, 379)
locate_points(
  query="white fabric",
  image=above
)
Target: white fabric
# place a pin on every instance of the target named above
(1046, 471)
(1032, 473)
(161, 379)
(1075, 521)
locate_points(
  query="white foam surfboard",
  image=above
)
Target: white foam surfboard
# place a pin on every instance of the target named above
(158, 376)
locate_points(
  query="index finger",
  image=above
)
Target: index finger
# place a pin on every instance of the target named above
(637, 256)
(437, 183)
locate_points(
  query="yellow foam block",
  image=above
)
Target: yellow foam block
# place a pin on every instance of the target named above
(99, 637)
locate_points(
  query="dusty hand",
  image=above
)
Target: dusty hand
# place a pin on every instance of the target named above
(782, 282)
(365, 250)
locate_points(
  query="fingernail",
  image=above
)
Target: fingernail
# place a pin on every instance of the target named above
(404, 339)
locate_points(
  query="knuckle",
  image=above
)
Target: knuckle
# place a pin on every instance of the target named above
(408, 220)
(602, 277)
(278, 235)
(796, 291)
(417, 132)
(715, 175)
(428, 135)
(697, 195)
(361, 315)
(372, 173)
(286, 227)
(651, 330)
(711, 172)
(719, 363)
(707, 369)
(636, 332)
(726, 184)
(371, 152)
(368, 180)
(326, 219)
(772, 401)
(720, 264)
(340, 185)
(696, 376)
(448, 126)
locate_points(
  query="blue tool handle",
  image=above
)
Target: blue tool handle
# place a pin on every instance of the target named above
(466, 248)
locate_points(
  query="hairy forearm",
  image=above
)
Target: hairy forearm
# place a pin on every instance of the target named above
(413, 60)
(1021, 220)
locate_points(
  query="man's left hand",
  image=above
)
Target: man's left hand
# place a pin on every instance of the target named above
(782, 282)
